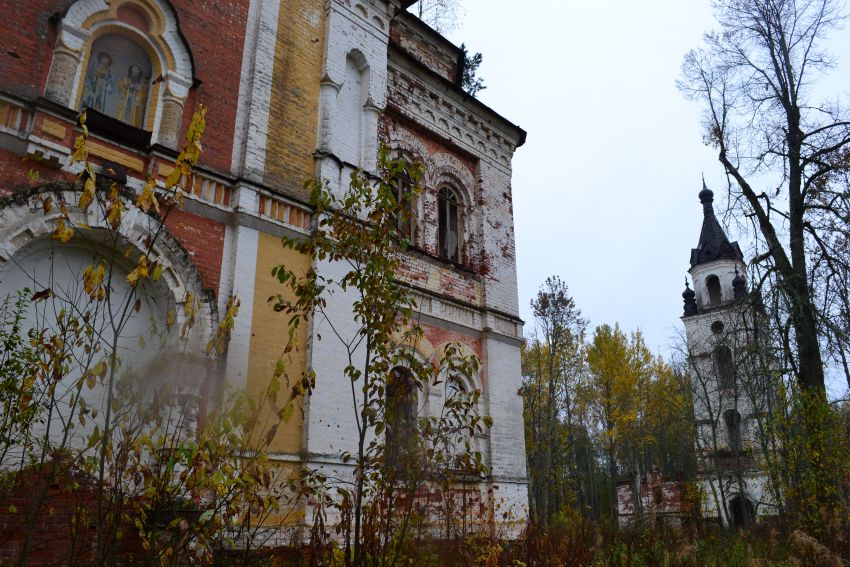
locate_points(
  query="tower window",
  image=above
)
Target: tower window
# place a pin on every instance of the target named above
(724, 367)
(712, 284)
(733, 430)
(449, 224)
(117, 79)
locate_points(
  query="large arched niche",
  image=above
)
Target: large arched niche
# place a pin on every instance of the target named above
(154, 356)
(152, 26)
(29, 257)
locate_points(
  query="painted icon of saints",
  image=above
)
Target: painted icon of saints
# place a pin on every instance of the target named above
(98, 84)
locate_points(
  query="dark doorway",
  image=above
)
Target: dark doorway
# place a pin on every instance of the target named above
(742, 513)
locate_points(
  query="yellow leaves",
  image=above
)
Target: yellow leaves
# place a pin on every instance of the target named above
(80, 152)
(174, 178)
(87, 196)
(92, 375)
(218, 342)
(62, 232)
(189, 306)
(139, 272)
(93, 280)
(115, 209)
(193, 148)
(114, 213)
(147, 200)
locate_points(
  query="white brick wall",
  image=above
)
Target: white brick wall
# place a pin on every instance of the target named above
(330, 423)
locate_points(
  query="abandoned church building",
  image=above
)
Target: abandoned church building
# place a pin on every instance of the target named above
(294, 90)
(730, 381)
(730, 377)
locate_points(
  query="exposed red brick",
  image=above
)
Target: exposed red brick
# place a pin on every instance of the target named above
(203, 239)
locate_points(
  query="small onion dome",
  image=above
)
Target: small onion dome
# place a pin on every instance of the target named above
(706, 197)
(739, 286)
(689, 297)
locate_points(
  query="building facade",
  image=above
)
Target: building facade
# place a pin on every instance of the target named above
(295, 90)
(730, 378)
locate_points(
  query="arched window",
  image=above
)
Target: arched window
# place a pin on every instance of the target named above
(461, 442)
(448, 213)
(724, 367)
(403, 191)
(401, 409)
(712, 284)
(117, 79)
(733, 430)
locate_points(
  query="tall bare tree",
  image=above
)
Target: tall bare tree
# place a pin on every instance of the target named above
(552, 364)
(786, 156)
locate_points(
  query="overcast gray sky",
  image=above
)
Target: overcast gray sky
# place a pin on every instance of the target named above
(605, 189)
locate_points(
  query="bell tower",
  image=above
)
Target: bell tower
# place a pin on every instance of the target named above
(728, 388)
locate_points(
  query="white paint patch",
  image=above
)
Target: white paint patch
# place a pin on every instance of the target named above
(244, 271)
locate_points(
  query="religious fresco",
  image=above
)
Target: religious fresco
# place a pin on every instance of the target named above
(118, 79)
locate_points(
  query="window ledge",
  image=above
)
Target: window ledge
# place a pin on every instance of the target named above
(116, 130)
(421, 252)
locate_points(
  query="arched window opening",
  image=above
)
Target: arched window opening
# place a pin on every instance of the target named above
(456, 387)
(403, 191)
(712, 284)
(724, 367)
(733, 430)
(117, 79)
(449, 224)
(742, 513)
(462, 441)
(401, 409)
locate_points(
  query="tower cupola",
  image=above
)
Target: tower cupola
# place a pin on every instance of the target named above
(689, 297)
(715, 263)
(739, 286)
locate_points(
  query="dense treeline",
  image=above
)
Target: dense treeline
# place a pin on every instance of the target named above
(598, 410)
(602, 413)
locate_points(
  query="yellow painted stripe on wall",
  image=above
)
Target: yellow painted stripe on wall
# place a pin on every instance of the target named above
(294, 108)
(269, 333)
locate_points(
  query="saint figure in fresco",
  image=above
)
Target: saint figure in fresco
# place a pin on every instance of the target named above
(134, 96)
(98, 85)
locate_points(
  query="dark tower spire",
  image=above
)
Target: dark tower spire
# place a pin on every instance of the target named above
(713, 243)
